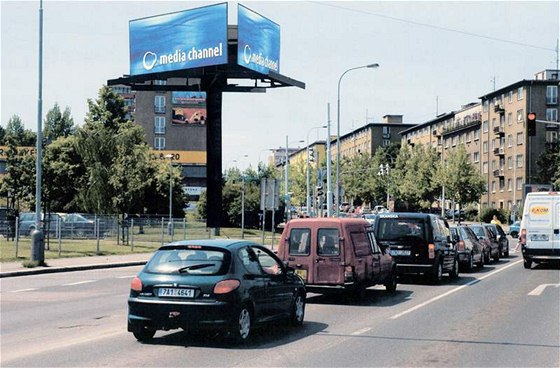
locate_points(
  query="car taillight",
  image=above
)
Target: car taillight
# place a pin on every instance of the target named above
(348, 273)
(523, 236)
(226, 286)
(136, 284)
(461, 245)
(431, 251)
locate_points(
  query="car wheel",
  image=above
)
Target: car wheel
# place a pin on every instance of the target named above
(487, 257)
(242, 327)
(391, 285)
(527, 263)
(454, 273)
(496, 258)
(298, 311)
(470, 263)
(144, 333)
(438, 273)
(480, 264)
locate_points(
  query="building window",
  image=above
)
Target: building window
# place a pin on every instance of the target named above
(519, 160)
(520, 115)
(476, 156)
(520, 93)
(160, 82)
(510, 162)
(476, 134)
(454, 141)
(159, 104)
(551, 136)
(510, 118)
(519, 138)
(551, 95)
(386, 142)
(159, 143)
(485, 147)
(485, 167)
(510, 140)
(386, 130)
(502, 184)
(468, 137)
(510, 96)
(446, 142)
(159, 125)
(493, 165)
(485, 106)
(485, 126)
(551, 114)
(519, 183)
(493, 186)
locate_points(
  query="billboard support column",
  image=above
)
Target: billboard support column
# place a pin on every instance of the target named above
(214, 85)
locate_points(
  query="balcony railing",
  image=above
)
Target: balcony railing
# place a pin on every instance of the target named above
(159, 109)
(499, 130)
(499, 151)
(499, 173)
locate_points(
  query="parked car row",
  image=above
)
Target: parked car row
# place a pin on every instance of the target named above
(69, 225)
(232, 285)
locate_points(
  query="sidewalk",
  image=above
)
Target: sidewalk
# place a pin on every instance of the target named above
(11, 269)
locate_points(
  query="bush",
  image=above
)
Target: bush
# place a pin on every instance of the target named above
(487, 214)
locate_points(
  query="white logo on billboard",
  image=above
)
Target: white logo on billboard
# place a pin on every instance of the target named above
(247, 54)
(149, 60)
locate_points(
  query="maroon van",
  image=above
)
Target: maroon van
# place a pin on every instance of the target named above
(336, 254)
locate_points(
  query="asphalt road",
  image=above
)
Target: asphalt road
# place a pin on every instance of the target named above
(501, 316)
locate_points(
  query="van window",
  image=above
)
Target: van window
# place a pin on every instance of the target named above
(327, 242)
(300, 241)
(362, 247)
(374, 246)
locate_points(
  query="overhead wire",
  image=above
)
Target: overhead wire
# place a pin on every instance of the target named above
(441, 28)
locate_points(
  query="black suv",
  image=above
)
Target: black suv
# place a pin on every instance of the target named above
(419, 243)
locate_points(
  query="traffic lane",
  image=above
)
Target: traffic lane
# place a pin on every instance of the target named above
(482, 325)
(61, 309)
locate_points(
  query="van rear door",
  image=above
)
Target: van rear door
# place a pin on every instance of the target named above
(329, 256)
(541, 223)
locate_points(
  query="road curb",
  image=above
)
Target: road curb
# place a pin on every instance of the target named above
(43, 270)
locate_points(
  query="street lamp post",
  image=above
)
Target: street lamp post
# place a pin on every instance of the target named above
(307, 198)
(171, 232)
(286, 175)
(337, 196)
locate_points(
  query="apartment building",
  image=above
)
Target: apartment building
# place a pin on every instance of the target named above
(494, 134)
(366, 139)
(174, 127)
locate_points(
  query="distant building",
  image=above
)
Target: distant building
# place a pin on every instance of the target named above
(494, 134)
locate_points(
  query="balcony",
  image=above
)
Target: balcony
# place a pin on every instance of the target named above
(499, 173)
(499, 151)
(499, 109)
(159, 109)
(499, 131)
(386, 135)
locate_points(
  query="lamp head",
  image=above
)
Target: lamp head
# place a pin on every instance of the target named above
(372, 65)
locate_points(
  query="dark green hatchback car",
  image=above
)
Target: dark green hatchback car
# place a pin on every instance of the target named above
(229, 285)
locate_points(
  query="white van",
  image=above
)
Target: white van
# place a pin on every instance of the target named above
(540, 228)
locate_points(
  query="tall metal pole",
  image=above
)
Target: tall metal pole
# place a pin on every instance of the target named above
(337, 198)
(170, 157)
(286, 172)
(329, 169)
(38, 250)
(308, 197)
(242, 206)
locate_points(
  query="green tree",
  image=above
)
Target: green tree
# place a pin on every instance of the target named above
(58, 124)
(358, 178)
(462, 181)
(548, 166)
(16, 131)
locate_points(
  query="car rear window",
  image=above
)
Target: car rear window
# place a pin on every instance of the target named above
(398, 228)
(299, 241)
(189, 262)
(328, 242)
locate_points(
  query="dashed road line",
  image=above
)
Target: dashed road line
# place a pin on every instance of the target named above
(79, 283)
(362, 331)
(23, 290)
(430, 301)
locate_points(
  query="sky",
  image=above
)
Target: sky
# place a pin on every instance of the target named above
(433, 58)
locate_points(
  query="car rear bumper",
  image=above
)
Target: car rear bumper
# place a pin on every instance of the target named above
(160, 314)
(403, 268)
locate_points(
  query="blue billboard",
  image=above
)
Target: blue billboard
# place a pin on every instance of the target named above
(183, 40)
(259, 42)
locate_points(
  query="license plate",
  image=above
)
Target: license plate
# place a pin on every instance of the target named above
(302, 273)
(176, 293)
(398, 252)
(539, 237)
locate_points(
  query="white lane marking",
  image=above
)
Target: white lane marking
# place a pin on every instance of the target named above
(126, 277)
(362, 331)
(79, 283)
(22, 290)
(453, 290)
(539, 289)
